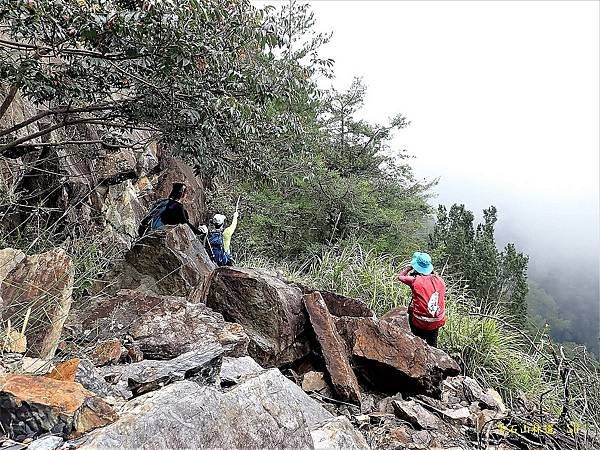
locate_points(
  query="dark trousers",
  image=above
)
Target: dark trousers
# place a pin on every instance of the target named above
(431, 337)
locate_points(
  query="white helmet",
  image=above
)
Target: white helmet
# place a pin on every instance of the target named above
(219, 219)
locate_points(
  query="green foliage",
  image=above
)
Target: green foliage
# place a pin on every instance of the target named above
(496, 278)
(203, 76)
(340, 181)
(356, 272)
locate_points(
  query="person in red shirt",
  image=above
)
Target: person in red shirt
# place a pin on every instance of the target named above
(426, 312)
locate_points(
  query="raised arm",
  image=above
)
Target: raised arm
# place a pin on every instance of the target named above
(403, 276)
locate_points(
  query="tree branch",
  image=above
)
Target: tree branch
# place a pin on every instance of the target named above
(69, 50)
(9, 97)
(90, 142)
(67, 110)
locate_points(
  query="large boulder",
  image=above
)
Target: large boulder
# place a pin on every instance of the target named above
(393, 360)
(201, 365)
(44, 283)
(270, 310)
(33, 405)
(333, 349)
(162, 327)
(340, 305)
(266, 411)
(398, 317)
(170, 261)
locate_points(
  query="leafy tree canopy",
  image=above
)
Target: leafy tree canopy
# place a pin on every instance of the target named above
(204, 76)
(495, 277)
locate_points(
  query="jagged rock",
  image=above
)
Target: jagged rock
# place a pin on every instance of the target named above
(393, 360)
(422, 439)
(458, 414)
(175, 170)
(367, 403)
(34, 405)
(271, 312)
(169, 261)
(46, 443)
(121, 212)
(135, 354)
(115, 166)
(234, 370)
(266, 411)
(399, 317)
(415, 414)
(162, 327)
(338, 433)
(313, 381)
(83, 372)
(469, 389)
(201, 365)
(108, 352)
(333, 349)
(43, 282)
(385, 405)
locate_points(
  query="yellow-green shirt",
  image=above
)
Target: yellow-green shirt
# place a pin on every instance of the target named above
(228, 232)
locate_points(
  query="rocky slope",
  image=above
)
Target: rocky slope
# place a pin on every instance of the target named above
(231, 358)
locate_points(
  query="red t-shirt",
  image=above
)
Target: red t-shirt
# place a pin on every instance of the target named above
(427, 311)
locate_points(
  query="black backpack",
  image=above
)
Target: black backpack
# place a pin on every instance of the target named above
(152, 220)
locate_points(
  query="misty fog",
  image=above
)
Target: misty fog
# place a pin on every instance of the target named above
(503, 99)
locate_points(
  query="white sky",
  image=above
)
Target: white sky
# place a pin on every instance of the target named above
(504, 103)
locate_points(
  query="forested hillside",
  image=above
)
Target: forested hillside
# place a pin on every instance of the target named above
(102, 101)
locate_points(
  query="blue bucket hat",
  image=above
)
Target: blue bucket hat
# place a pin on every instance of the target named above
(421, 262)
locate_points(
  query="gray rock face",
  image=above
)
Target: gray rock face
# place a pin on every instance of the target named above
(163, 327)
(271, 312)
(267, 411)
(200, 365)
(415, 414)
(338, 433)
(468, 389)
(46, 443)
(234, 370)
(169, 261)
